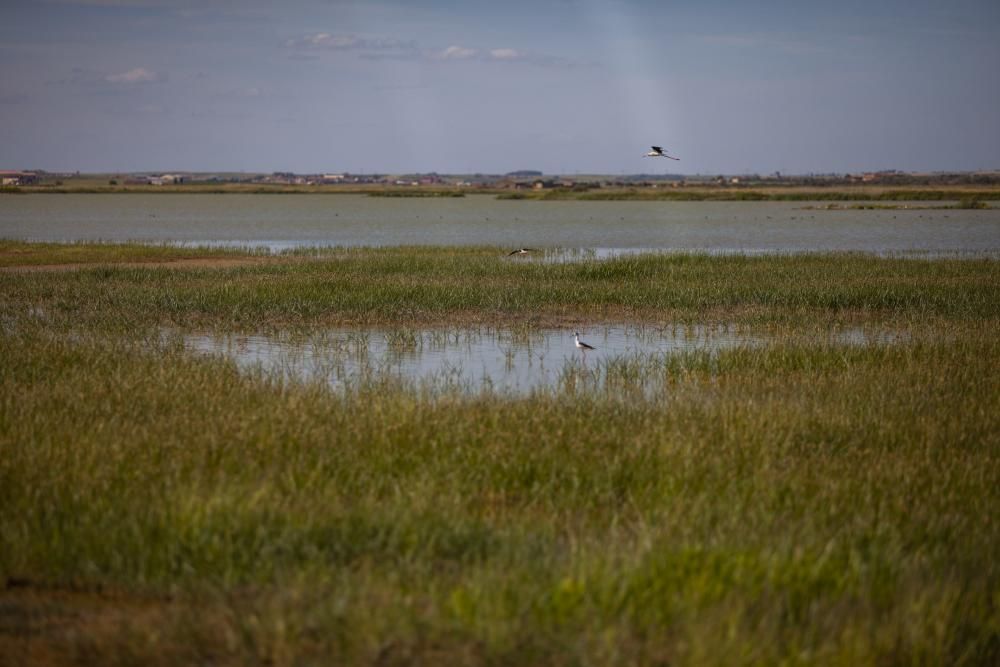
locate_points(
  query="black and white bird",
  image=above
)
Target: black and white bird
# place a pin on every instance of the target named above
(580, 344)
(658, 152)
(520, 251)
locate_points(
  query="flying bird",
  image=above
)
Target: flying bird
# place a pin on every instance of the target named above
(520, 251)
(658, 152)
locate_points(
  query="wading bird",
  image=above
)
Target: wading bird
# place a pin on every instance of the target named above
(580, 344)
(658, 152)
(520, 251)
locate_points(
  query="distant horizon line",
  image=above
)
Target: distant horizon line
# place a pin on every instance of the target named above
(516, 172)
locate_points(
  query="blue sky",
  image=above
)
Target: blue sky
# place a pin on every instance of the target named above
(563, 86)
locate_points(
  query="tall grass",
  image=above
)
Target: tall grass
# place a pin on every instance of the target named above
(443, 286)
(789, 503)
(21, 254)
(793, 502)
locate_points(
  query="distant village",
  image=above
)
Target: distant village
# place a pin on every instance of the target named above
(516, 180)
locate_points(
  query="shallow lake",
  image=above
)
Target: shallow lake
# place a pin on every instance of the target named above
(287, 221)
(504, 361)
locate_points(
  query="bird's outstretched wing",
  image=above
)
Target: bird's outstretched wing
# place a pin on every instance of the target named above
(657, 149)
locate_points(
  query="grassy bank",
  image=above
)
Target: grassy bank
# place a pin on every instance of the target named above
(17, 254)
(445, 286)
(796, 502)
(723, 193)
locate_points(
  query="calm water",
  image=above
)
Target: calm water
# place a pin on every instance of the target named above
(286, 221)
(500, 360)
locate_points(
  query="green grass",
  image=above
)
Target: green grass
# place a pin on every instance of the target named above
(798, 502)
(972, 203)
(18, 253)
(443, 286)
(698, 193)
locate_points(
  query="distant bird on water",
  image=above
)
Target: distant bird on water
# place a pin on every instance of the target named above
(520, 251)
(580, 344)
(658, 152)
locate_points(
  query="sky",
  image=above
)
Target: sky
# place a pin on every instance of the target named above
(560, 86)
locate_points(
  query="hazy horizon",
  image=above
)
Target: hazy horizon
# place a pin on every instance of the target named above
(563, 87)
(513, 172)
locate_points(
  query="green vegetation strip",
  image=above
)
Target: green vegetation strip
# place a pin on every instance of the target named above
(762, 194)
(18, 254)
(454, 286)
(794, 503)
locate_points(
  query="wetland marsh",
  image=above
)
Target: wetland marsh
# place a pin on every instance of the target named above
(772, 458)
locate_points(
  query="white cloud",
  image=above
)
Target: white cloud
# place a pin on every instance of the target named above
(505, 54)
(136, 75)
(326, 40)
(467, 53)
(330, 42)
(458, 53)
(382, 48)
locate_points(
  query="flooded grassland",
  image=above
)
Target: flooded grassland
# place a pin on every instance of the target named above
(349, 455)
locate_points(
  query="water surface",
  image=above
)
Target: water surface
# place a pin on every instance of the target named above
(289, 221)
(497, 360)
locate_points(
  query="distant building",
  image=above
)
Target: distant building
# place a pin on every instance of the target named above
(8, 177)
